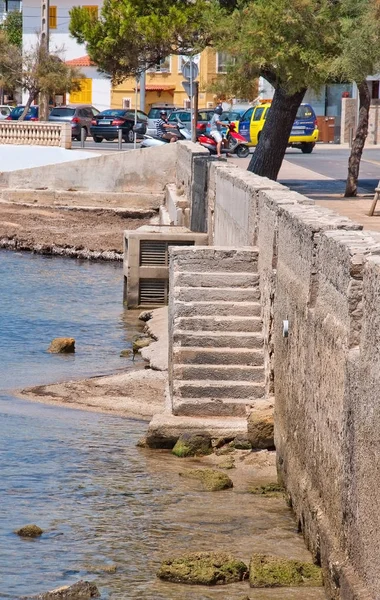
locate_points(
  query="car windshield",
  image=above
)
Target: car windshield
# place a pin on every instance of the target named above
(113, 112)
(304, 112)
(62, 112)
(230, 116)
(154, 113)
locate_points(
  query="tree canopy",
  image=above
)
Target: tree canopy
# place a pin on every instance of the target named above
(131, 35)
(12, 26)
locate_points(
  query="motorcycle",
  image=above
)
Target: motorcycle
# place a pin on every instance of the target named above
(151, 141)
(233, 143)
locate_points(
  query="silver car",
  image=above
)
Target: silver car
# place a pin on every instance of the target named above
(154, 115)
(79, 116)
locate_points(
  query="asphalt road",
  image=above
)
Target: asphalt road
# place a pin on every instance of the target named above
(331, 160)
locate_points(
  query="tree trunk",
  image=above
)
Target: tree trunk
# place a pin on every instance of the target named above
(267, 158)
(31, 97)
(358, 141)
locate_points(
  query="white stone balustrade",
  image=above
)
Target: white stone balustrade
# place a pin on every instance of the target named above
(34, 133)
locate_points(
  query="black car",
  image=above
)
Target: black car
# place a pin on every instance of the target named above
(106, 125)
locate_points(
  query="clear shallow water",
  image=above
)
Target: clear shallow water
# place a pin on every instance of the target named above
(100, 500)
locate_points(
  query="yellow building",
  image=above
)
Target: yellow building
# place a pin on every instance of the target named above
(163, 83)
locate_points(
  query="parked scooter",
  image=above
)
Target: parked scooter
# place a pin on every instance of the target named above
(233, 143)
(150, 141)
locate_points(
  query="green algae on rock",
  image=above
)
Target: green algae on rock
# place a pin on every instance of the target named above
(203, 568)
(272, 571)
(271, 490)
(139, 343)
(192, 444)
(29, 531)
(211, 479)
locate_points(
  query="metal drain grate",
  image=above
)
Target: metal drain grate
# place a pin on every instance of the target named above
(155, 253)
(153, 291)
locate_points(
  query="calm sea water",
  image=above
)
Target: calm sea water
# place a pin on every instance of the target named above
(109, 510)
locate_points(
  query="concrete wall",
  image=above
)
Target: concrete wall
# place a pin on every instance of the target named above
(146, 170)
(321, 273)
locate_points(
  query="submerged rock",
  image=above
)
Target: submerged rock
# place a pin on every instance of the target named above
(203, 568)
(31, 531)
(241, 444)
(193, 444)
(211, 479)
(272, 571)
(82, 590)
(62, 345)
(270, 490)
(126, 353)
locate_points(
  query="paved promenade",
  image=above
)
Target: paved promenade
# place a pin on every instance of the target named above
(326, 191)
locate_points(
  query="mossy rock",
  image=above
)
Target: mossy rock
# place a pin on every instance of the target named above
(271, 571)
(261, 429)
(271, 490)
(62, 345)
(140, 343)
(126, 353)
(203, 568)
(192, 444)
(31, 531)
(228, 463)
(241, 444)
(211, 479)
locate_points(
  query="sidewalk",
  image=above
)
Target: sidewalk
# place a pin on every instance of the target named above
(327, 192)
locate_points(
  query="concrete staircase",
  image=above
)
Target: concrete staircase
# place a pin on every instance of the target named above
(216, 343)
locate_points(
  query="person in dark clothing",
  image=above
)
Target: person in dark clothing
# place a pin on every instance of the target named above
(163, 126)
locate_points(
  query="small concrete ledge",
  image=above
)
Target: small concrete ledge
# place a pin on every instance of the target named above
(177, 206)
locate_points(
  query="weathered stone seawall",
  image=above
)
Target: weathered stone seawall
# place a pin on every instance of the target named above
(321, 274)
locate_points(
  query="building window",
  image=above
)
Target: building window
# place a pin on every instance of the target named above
(127, 103)
(186, 104)
(52, 17)
(84, 95)
(222, 61)
(163, 66)
(93, 10)
(182, 59)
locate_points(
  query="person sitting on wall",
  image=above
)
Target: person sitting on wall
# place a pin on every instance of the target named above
(162, 126)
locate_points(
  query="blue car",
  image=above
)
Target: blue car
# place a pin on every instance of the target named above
(16, 113)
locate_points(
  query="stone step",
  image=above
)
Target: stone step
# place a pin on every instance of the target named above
(219, 324)
(165, 428)
(211, 389)
(202, 407)
(196, 355)
(212, 294)
(218, 307)
(219, 373)
(211, 339)
(218, 280)
(220, 259)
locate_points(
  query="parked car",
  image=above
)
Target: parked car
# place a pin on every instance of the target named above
(79, 116)
(184, 116)
(304, 132)
(106, 125)
(154, 115)
(16, 112)
(5, 110)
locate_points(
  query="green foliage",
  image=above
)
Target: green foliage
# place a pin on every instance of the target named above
(12, 27)
(131, 35)
(290, 43)
(36, 70)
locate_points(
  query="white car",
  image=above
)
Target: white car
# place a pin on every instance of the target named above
(5, 110)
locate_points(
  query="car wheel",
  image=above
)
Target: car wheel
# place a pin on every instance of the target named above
(130, 136)
(307, 147)
(242, 151)
(97, 139)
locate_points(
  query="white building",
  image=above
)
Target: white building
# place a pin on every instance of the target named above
(95, 87)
